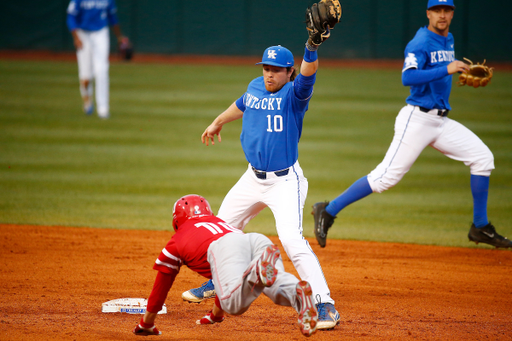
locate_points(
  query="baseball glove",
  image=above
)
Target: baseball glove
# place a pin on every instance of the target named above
(321, 17)
(477, 75)
(125, 49)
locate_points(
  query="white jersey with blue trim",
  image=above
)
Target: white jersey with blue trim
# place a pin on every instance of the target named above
(272, 125)
(91, 15)
(428, 50)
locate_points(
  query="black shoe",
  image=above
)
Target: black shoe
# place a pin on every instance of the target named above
(488, 235)
(323, 221)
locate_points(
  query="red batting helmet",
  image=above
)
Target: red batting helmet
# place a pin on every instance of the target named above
(189, 206)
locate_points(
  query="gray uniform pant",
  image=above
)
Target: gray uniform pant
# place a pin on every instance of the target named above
(233, 259)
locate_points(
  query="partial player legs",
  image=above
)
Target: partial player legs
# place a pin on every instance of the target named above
(414, 131)
(101, 49)
(86, 91)
(461, 144)
(234, 263)
(85, 71)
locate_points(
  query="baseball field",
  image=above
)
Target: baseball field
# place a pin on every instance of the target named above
(85, 204)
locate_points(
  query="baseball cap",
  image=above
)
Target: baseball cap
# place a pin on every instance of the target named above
(432, 3)
(277, 56)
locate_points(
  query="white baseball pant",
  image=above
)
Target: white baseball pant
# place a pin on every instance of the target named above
(93, 63)
(414, 131)
(285, 196)
(233, 259)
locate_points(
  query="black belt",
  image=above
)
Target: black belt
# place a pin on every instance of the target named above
(443, 113)
(263, 175)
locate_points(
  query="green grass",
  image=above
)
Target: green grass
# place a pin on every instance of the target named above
(60, 167)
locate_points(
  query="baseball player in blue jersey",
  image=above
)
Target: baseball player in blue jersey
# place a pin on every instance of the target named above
(273, 109)
(88, 21)
(428, 68)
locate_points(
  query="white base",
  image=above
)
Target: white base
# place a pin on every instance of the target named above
(129, 306)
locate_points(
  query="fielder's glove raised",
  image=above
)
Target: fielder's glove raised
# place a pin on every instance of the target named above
(125, 49)
(477, 75)
(321, 17)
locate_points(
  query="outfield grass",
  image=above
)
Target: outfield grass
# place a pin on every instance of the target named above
(60, 167)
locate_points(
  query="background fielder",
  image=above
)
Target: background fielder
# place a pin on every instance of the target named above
(429, 63)
(88, 21)
(242, 267)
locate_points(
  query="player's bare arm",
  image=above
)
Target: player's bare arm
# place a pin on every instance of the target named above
(308, 69)
(76, 40)
(231, 114)
(119, 35)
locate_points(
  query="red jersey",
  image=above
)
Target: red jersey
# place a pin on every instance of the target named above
(189, 246)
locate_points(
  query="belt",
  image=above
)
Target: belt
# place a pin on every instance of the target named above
(443, 113)
(263, 175)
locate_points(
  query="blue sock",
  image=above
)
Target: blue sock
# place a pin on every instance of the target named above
(480, 191)
(359, 189)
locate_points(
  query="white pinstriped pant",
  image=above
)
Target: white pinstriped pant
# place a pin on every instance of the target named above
(414, 131)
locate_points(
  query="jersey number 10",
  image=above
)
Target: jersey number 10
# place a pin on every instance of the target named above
(278, 123)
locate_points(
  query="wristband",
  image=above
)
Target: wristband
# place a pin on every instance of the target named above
(310, 56)
(146, 325)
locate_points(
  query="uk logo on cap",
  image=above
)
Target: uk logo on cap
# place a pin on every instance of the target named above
(277, 56)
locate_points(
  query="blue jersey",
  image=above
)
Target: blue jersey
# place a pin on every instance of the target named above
(427, 51)
(272, 124)
(91, 15)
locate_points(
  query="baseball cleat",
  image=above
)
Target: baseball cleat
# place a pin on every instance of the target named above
(104, 115)
(323, 221)
(328, 317)
(488, 235)
(266, 267)
(198, 295)
(308, 315)
(141, 331)
(210, 319)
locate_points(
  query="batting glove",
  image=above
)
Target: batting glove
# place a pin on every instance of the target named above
(210, 319)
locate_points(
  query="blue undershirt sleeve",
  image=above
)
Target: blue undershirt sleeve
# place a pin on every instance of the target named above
(112, 14)
(304, 86)
(71, 22)
(240, 103)
(419, 77)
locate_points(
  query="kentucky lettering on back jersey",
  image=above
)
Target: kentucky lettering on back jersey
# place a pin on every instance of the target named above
(91, 15)
(272, 125)
(426, 51)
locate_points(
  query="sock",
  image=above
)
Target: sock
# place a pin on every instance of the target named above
(359, 189)
(480, 191)
(90, 90)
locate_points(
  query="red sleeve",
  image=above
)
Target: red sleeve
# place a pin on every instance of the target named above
(169, 260)
(163, 284)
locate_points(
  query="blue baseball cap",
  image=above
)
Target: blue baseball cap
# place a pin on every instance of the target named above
(277, 56)
(432, 3)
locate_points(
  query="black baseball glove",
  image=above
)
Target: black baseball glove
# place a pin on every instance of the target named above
(321, 17)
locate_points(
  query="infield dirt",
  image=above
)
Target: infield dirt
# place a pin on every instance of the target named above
(54, 280)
